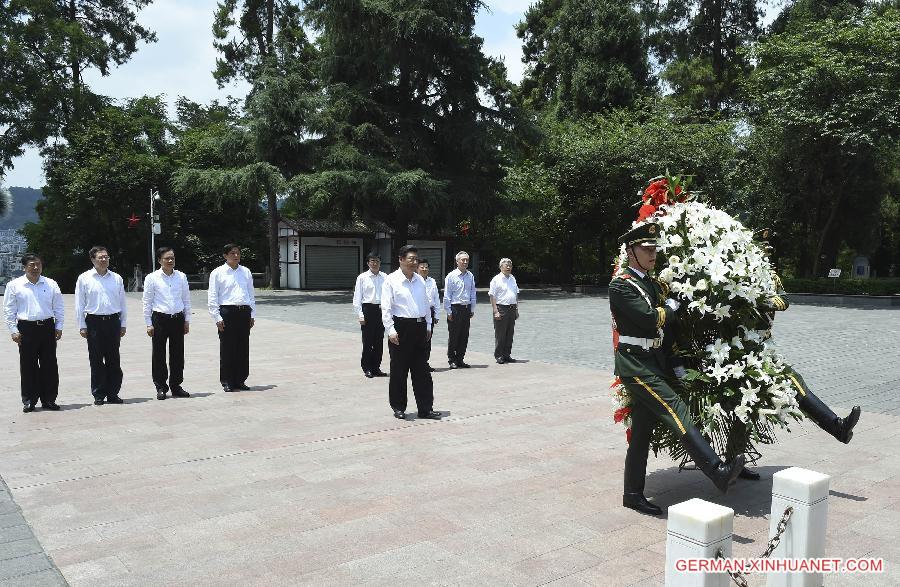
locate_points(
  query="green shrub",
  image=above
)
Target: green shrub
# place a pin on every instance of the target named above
(865, 287)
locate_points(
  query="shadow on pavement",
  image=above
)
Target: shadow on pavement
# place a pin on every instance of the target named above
(66, 407)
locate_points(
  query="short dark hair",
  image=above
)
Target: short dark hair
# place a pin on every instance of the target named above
(405, 250)
(96, 249)
(373, 255)
(162, 251)
(29, 257)
(227, 248)
(423, 262)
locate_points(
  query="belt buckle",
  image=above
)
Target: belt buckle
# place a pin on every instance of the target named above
(657, 342)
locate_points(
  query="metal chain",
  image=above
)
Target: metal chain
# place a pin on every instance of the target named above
(779, 530)
(740, 578)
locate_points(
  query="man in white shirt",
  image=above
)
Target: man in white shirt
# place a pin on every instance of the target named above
(367, 306)
(33, 306)
(459, 303)
(434, 300)
(406, 316)
(101, 312)
(232, 306)
(504, 293)
(167, 314)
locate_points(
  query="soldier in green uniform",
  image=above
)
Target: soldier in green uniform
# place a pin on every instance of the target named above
(814, 408)
(641, 312)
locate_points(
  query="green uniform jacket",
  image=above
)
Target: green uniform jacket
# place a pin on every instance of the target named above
(634, 316)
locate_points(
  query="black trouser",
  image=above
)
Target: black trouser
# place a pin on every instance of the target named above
(504, 328)
(168, 328)
(428, 344)
(408, 357)
(104, 337)
(372, 338)
(459, 333)
(234, 345)
(642, 423)
(37, 361)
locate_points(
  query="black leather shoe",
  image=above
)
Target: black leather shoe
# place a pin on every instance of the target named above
(639, 503)
(748, 474)
(161, 394)
(453, 366)
(399, 415)
(99, 402)
(242, 387)
(179, 392)
(115, 400)
(511, 360)
(28, 408)
(227, 388)
(52, 406)
(432, 415)
(501, 360)
(380, 373)
(368, 374)
(464, 365)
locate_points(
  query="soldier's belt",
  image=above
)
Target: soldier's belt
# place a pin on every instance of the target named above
(644, 343)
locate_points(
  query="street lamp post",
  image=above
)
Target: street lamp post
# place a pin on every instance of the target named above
(155, 228)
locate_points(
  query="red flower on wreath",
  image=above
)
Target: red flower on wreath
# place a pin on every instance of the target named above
(645, 212)
(657, 193)
(621, 414)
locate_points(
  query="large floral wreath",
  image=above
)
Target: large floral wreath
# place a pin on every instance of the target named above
(736, 383)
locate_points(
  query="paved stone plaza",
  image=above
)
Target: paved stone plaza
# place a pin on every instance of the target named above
(309, 480)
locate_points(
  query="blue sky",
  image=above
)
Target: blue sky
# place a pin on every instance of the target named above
(180, 62)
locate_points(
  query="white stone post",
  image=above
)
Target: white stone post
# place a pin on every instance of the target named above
(807, 492)
(697, 529)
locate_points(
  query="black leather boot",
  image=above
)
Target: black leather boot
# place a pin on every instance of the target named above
(636, 464)
(706, 459)
(818, 412)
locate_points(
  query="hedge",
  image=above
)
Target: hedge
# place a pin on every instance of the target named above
(865, 287)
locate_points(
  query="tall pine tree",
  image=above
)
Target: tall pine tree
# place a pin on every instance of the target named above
(414, 115)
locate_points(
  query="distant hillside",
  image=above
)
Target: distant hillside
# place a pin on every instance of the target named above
(24, 200)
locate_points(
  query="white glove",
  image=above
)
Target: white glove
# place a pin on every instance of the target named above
(673, 303)
(680, 372)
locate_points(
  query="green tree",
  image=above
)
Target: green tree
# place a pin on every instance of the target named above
(582, 56)
(700, 45)
(577, 192)
(405, 136)
(263, 42)
(98, 179)
(45, 48)
(824, 104)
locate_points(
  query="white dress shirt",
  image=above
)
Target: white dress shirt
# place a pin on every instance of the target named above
(99, 294)
(230, 287)
(434, 296)
(24, 300)
(367, 290)
(166, 294)
(404, 298)
(504, 290)
(459, 288)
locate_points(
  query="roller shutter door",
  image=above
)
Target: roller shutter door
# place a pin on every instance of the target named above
(435, 264)
(332, 267)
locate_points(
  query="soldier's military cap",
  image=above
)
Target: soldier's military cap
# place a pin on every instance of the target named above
(643, 234)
